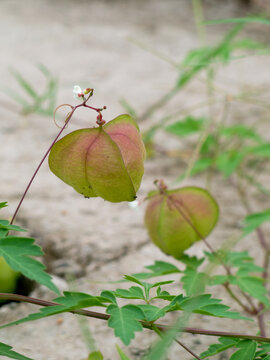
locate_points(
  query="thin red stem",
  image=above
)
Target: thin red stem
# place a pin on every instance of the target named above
(41, 162)
(252, 311)
(54, 141)
(101, 316)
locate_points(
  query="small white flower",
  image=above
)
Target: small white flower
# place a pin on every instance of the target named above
(77, 92)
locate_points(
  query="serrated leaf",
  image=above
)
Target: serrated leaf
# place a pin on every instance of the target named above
(205, 305)
(229, 161)
(264, 349)
(133, 279)
(191, 261)
(151, 312)
(159, 283)
(194, 282)
(214, 349)
(125, 321)
(247, 349)
(187, 126)
(3, 204)
(109, 295)
(253, 286)
(242, 131)
(69, 302)
(206, 56)
(134, 292)
(218, 279)
(95, 355)
(17, 252)
(221, 311)
(253, 221)
(157, 269)
(121, 353)
(6, 350)
(4, 224)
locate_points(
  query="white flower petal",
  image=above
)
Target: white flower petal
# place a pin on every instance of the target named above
(76, 91)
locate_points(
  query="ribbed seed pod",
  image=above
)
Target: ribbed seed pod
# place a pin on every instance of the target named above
(106, 161)
(175, 219)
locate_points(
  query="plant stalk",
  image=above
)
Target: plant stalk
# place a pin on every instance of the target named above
(147, 325)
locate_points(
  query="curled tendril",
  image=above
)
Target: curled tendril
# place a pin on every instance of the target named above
(68, 115)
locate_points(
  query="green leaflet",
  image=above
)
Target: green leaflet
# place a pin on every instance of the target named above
(253, 221)
(194, 282)
(6, 350)
(214, 349)
(157, 269)
(247, 349)
(69, 302)
(18, 252)
(188, 126)
(125, 321)
(204, 305)
(5, 225)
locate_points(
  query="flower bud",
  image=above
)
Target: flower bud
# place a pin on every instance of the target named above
(106, 161)
(175, 219)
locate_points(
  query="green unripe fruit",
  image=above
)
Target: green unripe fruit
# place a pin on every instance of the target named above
(106, 161)
(175, 219)
(8, 277)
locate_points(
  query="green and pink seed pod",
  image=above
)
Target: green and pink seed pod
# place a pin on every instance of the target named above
(106, 161)
(176, 219)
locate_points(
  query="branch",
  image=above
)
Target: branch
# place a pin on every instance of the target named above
(101, 316)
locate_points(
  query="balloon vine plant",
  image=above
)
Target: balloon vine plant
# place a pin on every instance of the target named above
(108, 161)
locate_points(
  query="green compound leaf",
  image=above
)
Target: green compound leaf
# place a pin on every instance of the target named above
(69, 302)
(214, 349)
(218, 279)
(204, 305)
(6, 350)
(247, 349)
(121, 353)
(157, 269)
(194, 282)
(188, 126)
(4, 224)
(253, 286)
(109, 295)
(228, 161)
(242, 132)
(191, 261)
(17, 252)
(253, 221)
(263, 350)
(151, 312)
(125, 321)
(134, 292)
(145, 285)
(243, 262)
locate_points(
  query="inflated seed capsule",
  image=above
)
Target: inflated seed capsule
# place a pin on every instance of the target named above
(175, 219)
(106, 161)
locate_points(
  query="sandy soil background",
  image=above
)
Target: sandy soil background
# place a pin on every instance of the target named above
(91, 43)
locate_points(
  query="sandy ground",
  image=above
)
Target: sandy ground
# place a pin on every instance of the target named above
(91, 43)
